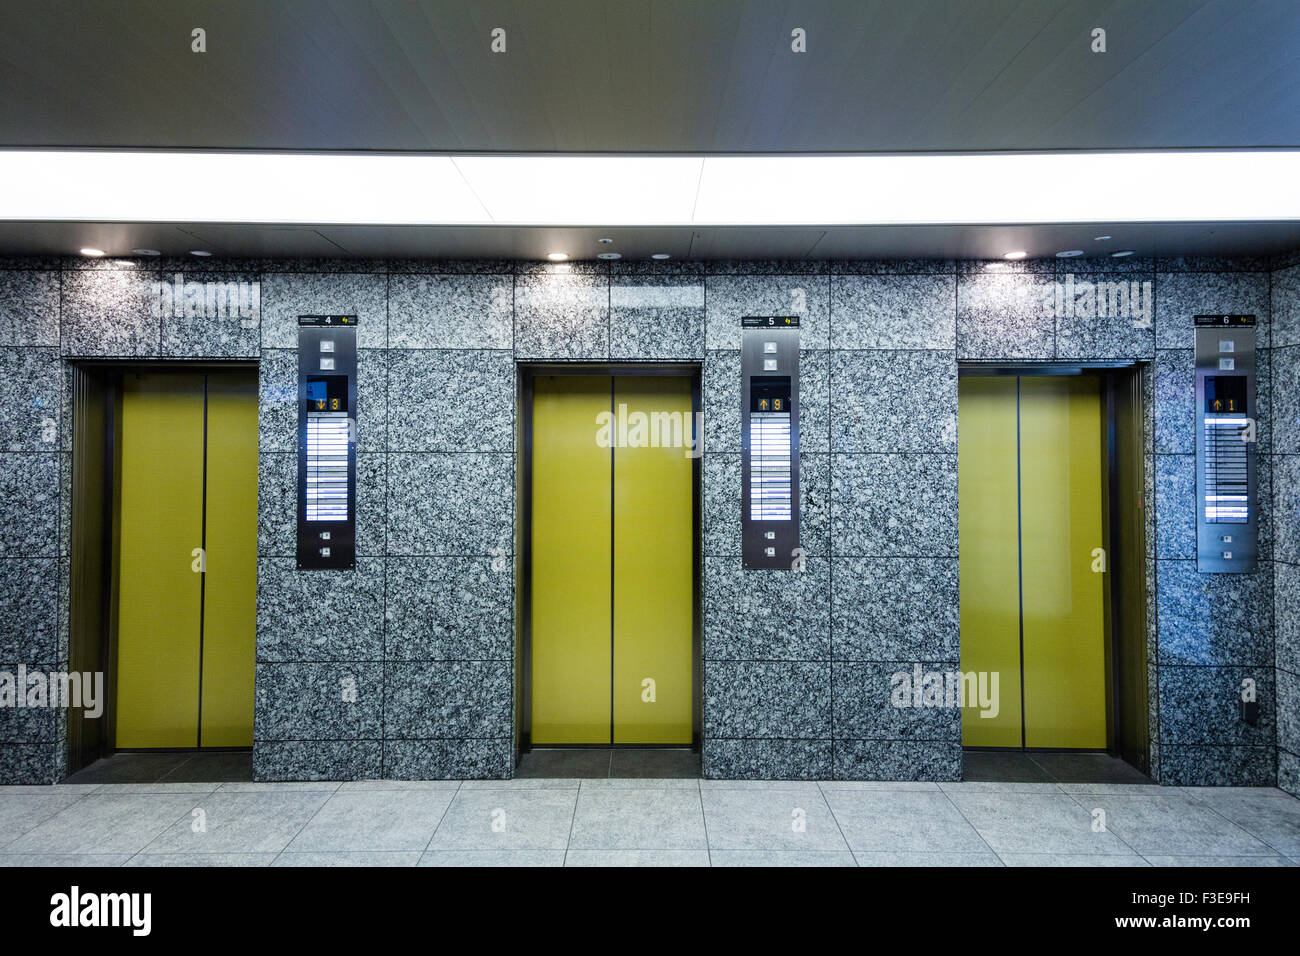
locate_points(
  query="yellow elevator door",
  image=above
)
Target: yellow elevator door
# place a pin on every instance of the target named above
(186, 560)
(1033, 588)
(612, 570)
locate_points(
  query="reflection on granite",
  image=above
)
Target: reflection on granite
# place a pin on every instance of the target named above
(656, 317)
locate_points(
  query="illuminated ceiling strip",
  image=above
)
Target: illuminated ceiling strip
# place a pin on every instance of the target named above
(627, 190)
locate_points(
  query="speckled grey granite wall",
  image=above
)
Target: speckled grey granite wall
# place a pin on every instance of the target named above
(404, 668)
(1285, 368)
(32, 550)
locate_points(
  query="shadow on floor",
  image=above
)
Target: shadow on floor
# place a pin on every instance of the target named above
(658, 764)
(227, 766)
(996, 766)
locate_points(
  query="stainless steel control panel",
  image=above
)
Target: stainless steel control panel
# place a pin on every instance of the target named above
(327, 441)
(1227, 506)
(769, 418)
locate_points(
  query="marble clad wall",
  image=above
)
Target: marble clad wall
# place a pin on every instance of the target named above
(1286, 516)
(796, 666)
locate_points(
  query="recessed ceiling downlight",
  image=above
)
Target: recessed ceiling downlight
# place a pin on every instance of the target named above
(557, 256)
(605, 242)
(1121, 254)
(1100, 238)
(200, 252)
(93, 253)
(1018, 254)
(1069, 253)
(146, 252)
(608, 255)
(661, 255)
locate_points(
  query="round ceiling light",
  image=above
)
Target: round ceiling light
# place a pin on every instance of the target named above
(557, 256)
(1018, 254)
(146, 252)
(608, 255)
(94, 253)
(661, 255)
(1121, 254)
(200, 252)
(1100, 238)
(605, 242)
(1069, 253)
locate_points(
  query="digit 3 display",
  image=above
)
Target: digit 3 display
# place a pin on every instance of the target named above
(327, 441)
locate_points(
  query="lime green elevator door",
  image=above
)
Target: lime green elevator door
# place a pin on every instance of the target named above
(1032, 562)
(612, 587)
(186, 569)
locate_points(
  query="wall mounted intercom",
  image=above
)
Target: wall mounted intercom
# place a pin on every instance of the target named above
(769, 421)
(327, 441)
(1227, 508)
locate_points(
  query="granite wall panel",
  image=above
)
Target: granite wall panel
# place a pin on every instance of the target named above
(1285, 460)
(404, 668)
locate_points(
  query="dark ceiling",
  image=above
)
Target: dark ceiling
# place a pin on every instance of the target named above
(650, 76)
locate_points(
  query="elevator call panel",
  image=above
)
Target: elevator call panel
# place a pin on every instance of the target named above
(327, 441)
(1227, 509)
(770, 441)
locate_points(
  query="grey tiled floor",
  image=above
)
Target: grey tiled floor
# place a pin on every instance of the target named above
(631, 821)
